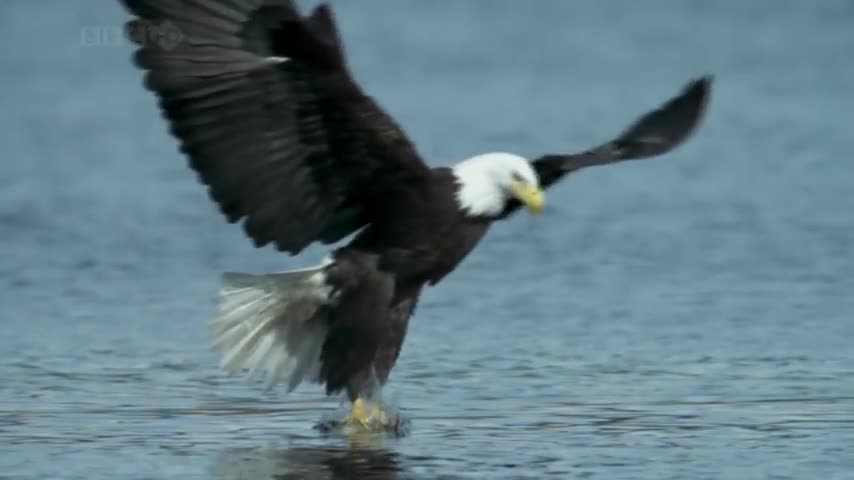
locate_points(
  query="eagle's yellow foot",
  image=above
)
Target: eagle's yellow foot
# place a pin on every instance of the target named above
(367, 417)
(367, 414)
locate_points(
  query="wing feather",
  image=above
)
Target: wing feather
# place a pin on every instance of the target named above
(263, 105)
(655, 133)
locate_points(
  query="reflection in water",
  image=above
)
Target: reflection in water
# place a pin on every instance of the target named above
(363, 459)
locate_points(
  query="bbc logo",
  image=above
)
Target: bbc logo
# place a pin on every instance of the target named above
(164, 35)
(102, 36)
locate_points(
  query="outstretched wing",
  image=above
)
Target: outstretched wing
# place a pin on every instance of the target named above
(655, 133)
(265, 108)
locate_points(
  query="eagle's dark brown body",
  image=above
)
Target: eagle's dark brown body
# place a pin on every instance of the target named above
(265, 108)
(419, 240)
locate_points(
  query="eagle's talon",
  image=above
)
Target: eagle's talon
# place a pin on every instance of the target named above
(367, 414)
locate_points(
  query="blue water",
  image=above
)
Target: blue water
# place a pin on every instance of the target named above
(685, 317)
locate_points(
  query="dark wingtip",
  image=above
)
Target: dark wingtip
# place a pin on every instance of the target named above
(663, 129)
(324, 8)
(695, 100)
(698, 91)
(703, 83)
(322, 21)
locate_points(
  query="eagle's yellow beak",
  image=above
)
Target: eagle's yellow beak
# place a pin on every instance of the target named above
(530, 195)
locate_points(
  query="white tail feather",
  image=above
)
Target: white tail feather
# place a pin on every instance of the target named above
(270, 322)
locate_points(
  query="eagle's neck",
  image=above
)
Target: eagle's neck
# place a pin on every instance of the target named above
(479, 191)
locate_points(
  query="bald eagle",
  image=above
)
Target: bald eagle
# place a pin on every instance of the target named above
(265, 108)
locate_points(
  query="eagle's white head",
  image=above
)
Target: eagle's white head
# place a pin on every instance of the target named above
(488, 181)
